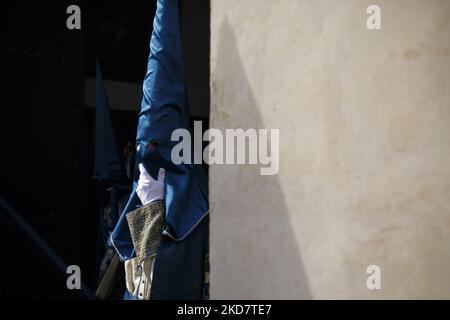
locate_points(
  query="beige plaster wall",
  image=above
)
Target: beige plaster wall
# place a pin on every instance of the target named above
(364, 119)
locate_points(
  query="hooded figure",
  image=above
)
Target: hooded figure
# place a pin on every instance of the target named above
(178, 270)
(110, 175)
(108, 167)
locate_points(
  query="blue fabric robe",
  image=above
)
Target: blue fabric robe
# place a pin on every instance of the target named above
(164, 108)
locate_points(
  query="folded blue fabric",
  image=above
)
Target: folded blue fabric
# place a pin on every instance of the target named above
(164, 109)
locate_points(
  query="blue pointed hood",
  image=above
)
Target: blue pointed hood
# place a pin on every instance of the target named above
(107, 162)
(164, 109)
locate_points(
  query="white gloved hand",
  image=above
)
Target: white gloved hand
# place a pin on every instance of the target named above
(149, 189)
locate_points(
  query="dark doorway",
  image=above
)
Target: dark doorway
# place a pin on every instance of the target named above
(48, 130)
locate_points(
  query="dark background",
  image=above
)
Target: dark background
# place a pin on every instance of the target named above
(48, 133)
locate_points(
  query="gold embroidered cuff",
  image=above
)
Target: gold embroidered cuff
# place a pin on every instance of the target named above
(146, 225)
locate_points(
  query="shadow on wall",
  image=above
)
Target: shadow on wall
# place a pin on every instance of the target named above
(249, 221)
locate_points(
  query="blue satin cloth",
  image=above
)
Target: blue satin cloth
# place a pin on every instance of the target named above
(164, 108)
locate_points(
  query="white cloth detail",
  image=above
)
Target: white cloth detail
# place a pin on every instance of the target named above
(149, 189)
